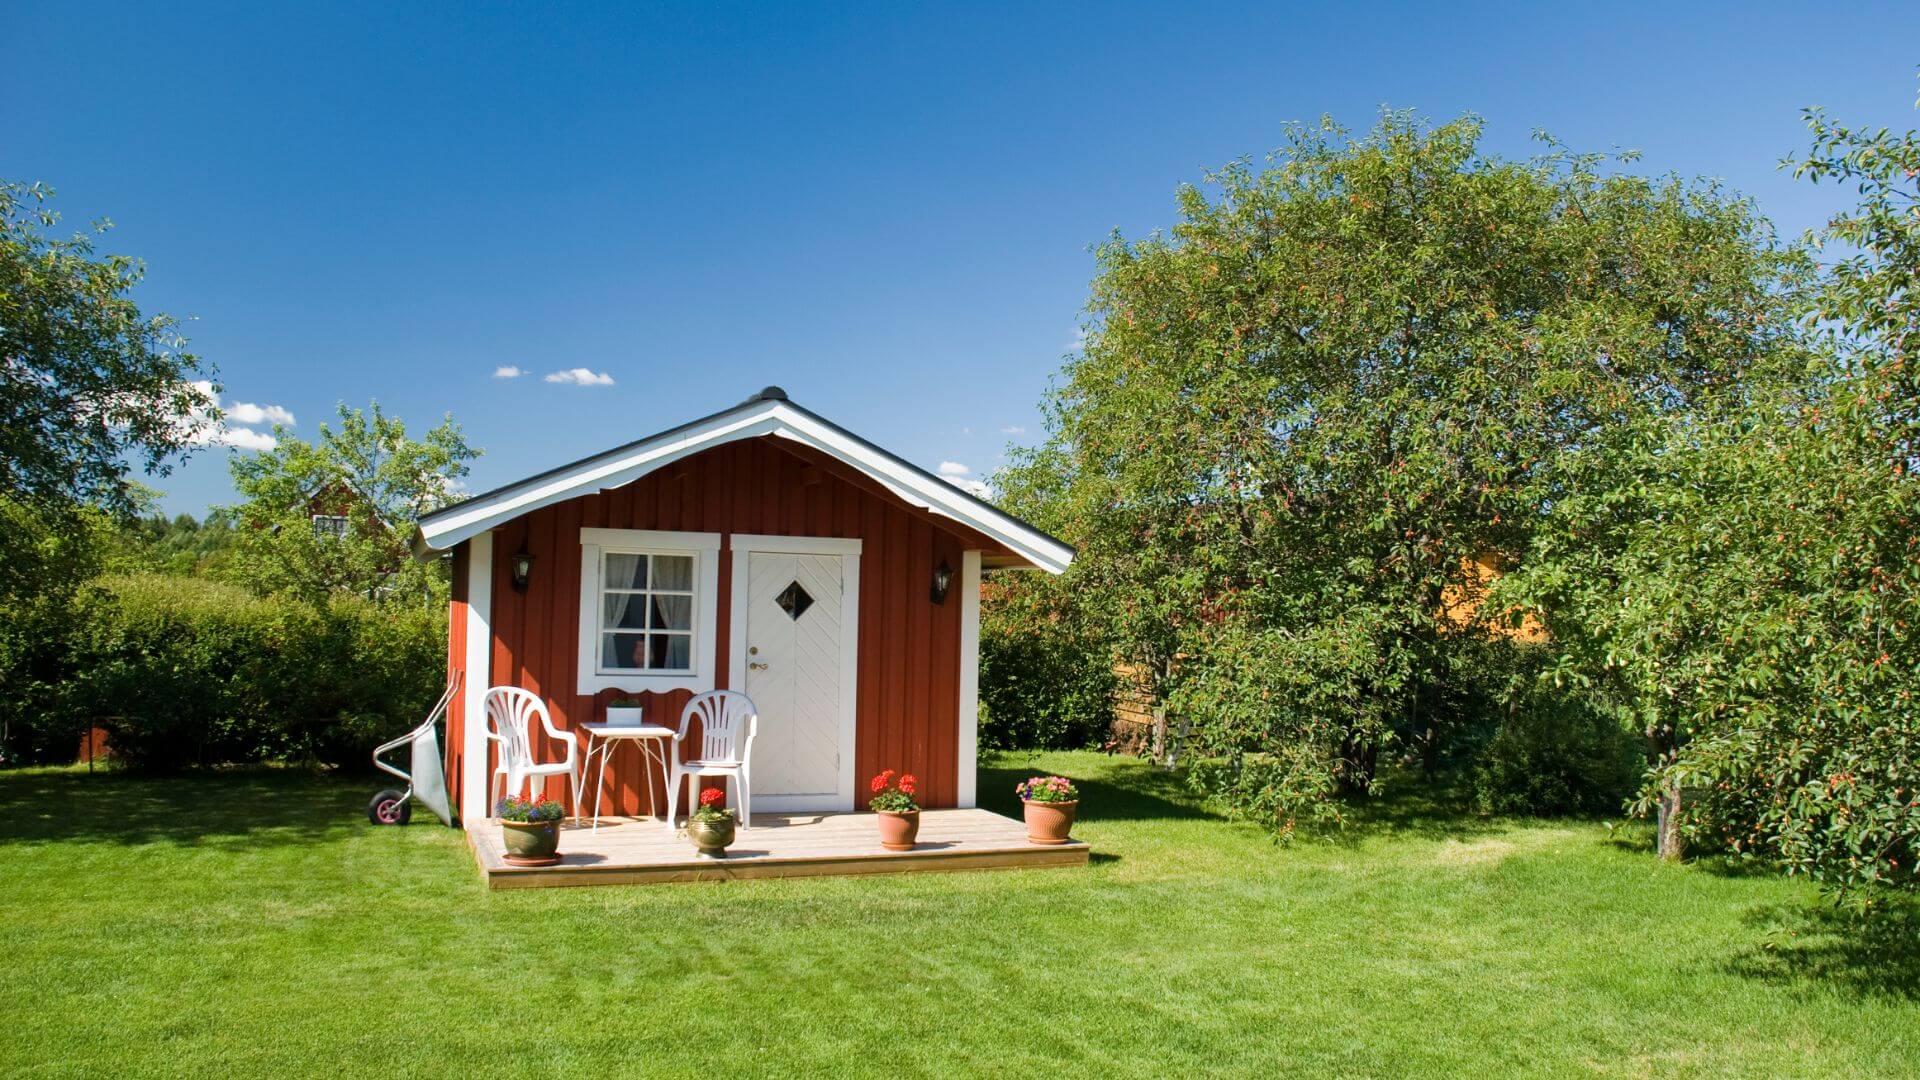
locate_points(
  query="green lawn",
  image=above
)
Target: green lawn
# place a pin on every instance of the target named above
(255, 924)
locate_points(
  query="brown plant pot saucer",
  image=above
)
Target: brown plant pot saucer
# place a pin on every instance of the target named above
(523, 860)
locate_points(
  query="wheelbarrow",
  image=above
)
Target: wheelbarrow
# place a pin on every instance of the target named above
(426, 779)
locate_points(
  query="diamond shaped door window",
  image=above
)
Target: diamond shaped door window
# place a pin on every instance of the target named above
(794, 600)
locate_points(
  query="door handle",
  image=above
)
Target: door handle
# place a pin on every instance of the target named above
(756, 667)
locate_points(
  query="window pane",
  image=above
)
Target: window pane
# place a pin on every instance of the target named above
(671, 652)
(672, 612)
(627, 651)
(622, 611)
(626, 572)
(673, 572)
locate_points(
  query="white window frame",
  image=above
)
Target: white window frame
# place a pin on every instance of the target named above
(705, 550)
(331, 526)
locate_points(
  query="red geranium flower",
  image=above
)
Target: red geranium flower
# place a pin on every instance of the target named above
(712, 796)
(907, 783)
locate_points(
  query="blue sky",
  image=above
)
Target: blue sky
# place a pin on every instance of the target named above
(885, 210)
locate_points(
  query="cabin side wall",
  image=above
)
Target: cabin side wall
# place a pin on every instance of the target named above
(909, 664)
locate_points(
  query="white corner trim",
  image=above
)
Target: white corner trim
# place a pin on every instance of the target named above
(781, 419)
(705, 549)
(478, 676)
(742, 546)
(969, 757)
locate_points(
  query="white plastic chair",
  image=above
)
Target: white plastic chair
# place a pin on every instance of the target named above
(510, 712)
(728, 720)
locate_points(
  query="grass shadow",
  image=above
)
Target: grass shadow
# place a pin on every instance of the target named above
(1125, 790)
(1876, 954)
(1413, 805)
(264, 805)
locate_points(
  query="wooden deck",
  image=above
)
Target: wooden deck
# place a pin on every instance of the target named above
(630, 851)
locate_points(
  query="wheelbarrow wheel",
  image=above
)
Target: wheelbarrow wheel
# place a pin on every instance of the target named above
(390, 807)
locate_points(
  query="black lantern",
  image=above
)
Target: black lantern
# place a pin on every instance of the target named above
(942, 577)
(522, 566)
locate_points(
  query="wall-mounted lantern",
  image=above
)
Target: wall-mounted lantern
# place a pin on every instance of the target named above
(521, 563)
(942, 577)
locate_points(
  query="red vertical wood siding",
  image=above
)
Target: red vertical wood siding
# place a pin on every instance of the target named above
(907, 696)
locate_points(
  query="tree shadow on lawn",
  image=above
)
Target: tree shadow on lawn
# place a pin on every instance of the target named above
(1875, 955)
(263, 805)
(1412, 805)
(1419, 807)
(1128, 793)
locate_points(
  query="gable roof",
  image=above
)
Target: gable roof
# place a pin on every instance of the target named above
(768, 413)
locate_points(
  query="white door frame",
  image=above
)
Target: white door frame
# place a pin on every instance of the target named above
(848, 548)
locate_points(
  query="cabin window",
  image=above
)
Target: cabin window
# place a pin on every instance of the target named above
(646, 611)
(647, 605)
(330, 526)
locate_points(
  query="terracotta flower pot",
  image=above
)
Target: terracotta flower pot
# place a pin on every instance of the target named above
(530, 841)
(711, 836)
(898, 828)
(1050, 822)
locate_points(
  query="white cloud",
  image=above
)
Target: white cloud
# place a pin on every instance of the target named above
(200, 428)
(953, 468)
(508, 371)
(1013, 429)
(246, 412)
(246, 439)
(580, 377)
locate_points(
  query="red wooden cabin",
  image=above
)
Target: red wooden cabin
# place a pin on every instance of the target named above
(761, 548)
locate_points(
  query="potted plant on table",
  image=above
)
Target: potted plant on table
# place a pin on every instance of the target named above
(711, 826)
(530, 830)
(626, 712)
(899, 813)
(1051, 802)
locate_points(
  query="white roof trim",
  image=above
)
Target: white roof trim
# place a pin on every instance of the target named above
(779, 418)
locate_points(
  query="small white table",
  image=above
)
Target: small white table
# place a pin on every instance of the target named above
(602, 738)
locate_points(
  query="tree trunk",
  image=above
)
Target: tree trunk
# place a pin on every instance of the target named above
(1672, 846)
(1359, 761)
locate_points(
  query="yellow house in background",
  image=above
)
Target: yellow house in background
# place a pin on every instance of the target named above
(1460, 605)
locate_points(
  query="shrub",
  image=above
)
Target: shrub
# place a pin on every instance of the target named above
(184, 671)
(1552, 754)
(1044, 688)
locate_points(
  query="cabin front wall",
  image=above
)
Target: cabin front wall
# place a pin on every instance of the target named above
(909, 664)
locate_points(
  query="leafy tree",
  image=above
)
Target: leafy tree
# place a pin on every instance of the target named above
(368, 471)
(181, 545)
(1300, 417)
(88, 383)
(1746, 583)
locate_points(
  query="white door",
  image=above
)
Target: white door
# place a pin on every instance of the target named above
(799, 653)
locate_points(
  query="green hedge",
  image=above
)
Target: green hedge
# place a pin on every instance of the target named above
(183, 671)
(1569, 759)
(1046, 689)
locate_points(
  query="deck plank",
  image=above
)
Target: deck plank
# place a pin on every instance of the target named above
(640, 851)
